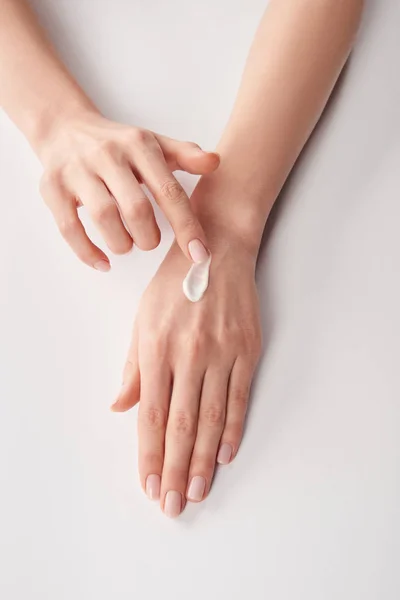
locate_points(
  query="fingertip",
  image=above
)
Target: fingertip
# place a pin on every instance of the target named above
(128, 395)
(120, 406)
(215, 160)
(197, 251)
(225, 454)
(102, 265)
(205, 162)
(115, 407)
(197, 161)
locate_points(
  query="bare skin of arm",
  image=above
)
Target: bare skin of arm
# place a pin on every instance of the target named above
(89, 160)
(191, 365)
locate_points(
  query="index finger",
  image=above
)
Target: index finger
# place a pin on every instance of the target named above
(174, 202)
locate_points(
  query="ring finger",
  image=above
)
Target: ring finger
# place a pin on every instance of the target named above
(104, 212)
(211, 423)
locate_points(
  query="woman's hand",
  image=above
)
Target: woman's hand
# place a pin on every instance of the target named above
(191, 366)
(100, 164)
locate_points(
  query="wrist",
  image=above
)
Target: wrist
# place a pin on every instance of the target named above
(230, 215)
(44, 126)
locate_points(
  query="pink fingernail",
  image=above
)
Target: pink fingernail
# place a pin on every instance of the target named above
(224, 454)
(153, 484)
(173, 504)
(102, 265)
(196, 489)
(197, 251)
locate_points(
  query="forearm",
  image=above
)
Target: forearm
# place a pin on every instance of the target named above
(296, 57)
(36, 89)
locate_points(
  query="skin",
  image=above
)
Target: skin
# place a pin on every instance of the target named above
(186, 361)
(191, 365)
(89, 160)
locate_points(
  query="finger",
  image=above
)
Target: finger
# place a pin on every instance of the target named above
(238, 398)
(64, 209)
(179, 440)
(152, 420)
(174, 202)
(134, 206)
(210, 426)
(104, 212)
(130, 390)
(187, 156)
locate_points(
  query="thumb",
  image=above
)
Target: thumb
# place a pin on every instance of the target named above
(129, 394)
(191, 158)
(188, 156)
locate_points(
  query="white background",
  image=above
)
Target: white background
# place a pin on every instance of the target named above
(310, 508)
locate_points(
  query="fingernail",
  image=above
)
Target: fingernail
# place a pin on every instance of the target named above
(196, 489)
(153, 484)
(102, 265)
(173, 504)
(115, 405)
(224, 454)
(200, 150)
(197, 251)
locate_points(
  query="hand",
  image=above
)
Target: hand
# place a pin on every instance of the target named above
(100, 164)
(191, 366)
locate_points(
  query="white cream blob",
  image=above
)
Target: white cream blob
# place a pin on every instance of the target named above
(196, 281)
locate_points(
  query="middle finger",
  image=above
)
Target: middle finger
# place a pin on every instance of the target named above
(179, 439)
(134, 205)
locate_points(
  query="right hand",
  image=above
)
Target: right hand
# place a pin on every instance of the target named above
(100, 164)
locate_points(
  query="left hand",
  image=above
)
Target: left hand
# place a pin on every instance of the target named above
(191, 366)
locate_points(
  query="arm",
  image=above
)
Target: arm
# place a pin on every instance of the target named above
(191, 365)
(88, 159)
(36, 90)
(297, 55)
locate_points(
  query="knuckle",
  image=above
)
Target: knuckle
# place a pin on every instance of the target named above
(183, 424)
(239, 397)
(253, 343)
(153, 418)
(67, 227)
(173, 192)
(140, 210)
(196, 346)
(103, 213)
(49, 181)
(213, 416)
(103, 151)
(107, 147)
(140, 136)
